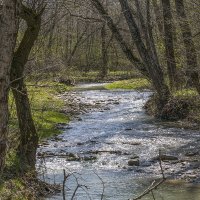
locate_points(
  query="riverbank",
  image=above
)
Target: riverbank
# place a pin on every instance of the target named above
(182, 110)
(54, 105)
(120, 142)
(70, 105)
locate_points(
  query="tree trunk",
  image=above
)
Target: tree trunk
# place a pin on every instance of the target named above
(158, 17)
(104, 67)
(191, 55)
(8, 29)
(117, 35)
(154, 69)
(169, 42)
(28, 135)
(148, 66)
(147, 29)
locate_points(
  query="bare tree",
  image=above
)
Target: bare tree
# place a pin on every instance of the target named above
(191, 54)
(152, 69)
(28, 135)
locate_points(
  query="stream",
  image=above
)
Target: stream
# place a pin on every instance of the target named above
(103, 141)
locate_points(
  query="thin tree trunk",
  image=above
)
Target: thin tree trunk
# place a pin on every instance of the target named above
(191, 55)
(117, 35)
(104, 67)
(28, 135)
(8, 29)
(158, 16)
(147, 29)
(150, 32)
(148, 66)
(169, 42)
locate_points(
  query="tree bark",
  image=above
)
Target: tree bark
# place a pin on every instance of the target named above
(8, 29)
(28, 134)
(169, 42)
(158, 17)
(104, 49)
(191, 54)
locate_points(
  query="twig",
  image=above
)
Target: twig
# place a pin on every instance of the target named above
(153, 195)
(153, 185)
(160, 163)
(103, 184)
(64, 182)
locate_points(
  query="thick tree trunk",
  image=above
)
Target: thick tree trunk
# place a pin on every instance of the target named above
(8, 29)
(191, 55)
(169, 42)
(28, 135)
(154, 69)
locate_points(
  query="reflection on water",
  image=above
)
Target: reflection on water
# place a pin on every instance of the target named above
(123, 128)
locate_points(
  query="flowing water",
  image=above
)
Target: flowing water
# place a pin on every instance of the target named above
(112, 136)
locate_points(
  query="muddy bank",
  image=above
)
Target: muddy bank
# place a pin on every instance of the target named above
(179, 112)
(77, 104)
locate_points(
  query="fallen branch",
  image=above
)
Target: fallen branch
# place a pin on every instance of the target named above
(153, 185)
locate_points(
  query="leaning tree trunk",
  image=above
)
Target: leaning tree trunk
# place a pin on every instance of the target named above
(135, 61)
(154, 69)
(191, 55)
(169, 43)
(28, 135)
(8, 29)
(148, 66)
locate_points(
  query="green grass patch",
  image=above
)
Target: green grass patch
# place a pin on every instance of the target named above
(186, 93)
(46, 107)
(46, 122)
(134, 84)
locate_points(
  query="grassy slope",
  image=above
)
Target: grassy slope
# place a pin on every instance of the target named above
(45, 108)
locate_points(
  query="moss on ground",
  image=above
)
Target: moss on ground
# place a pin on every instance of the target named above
(135, 84)
(46, 110)
(46, 107)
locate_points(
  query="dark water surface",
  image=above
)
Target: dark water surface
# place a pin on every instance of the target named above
(120, 131)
